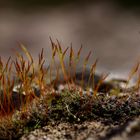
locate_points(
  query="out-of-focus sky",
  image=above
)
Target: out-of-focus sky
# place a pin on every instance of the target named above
(110, 28)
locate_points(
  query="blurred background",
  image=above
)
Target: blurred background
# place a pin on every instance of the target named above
(110, 28)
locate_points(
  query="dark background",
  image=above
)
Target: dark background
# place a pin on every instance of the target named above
(110, 28)
(36, 3)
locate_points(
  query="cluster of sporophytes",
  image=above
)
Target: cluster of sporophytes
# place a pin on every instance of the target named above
(21, 81)
(20, 78)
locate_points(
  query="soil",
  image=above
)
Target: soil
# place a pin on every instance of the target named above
(70, 112)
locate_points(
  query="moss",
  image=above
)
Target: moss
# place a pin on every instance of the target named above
(44, 104)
